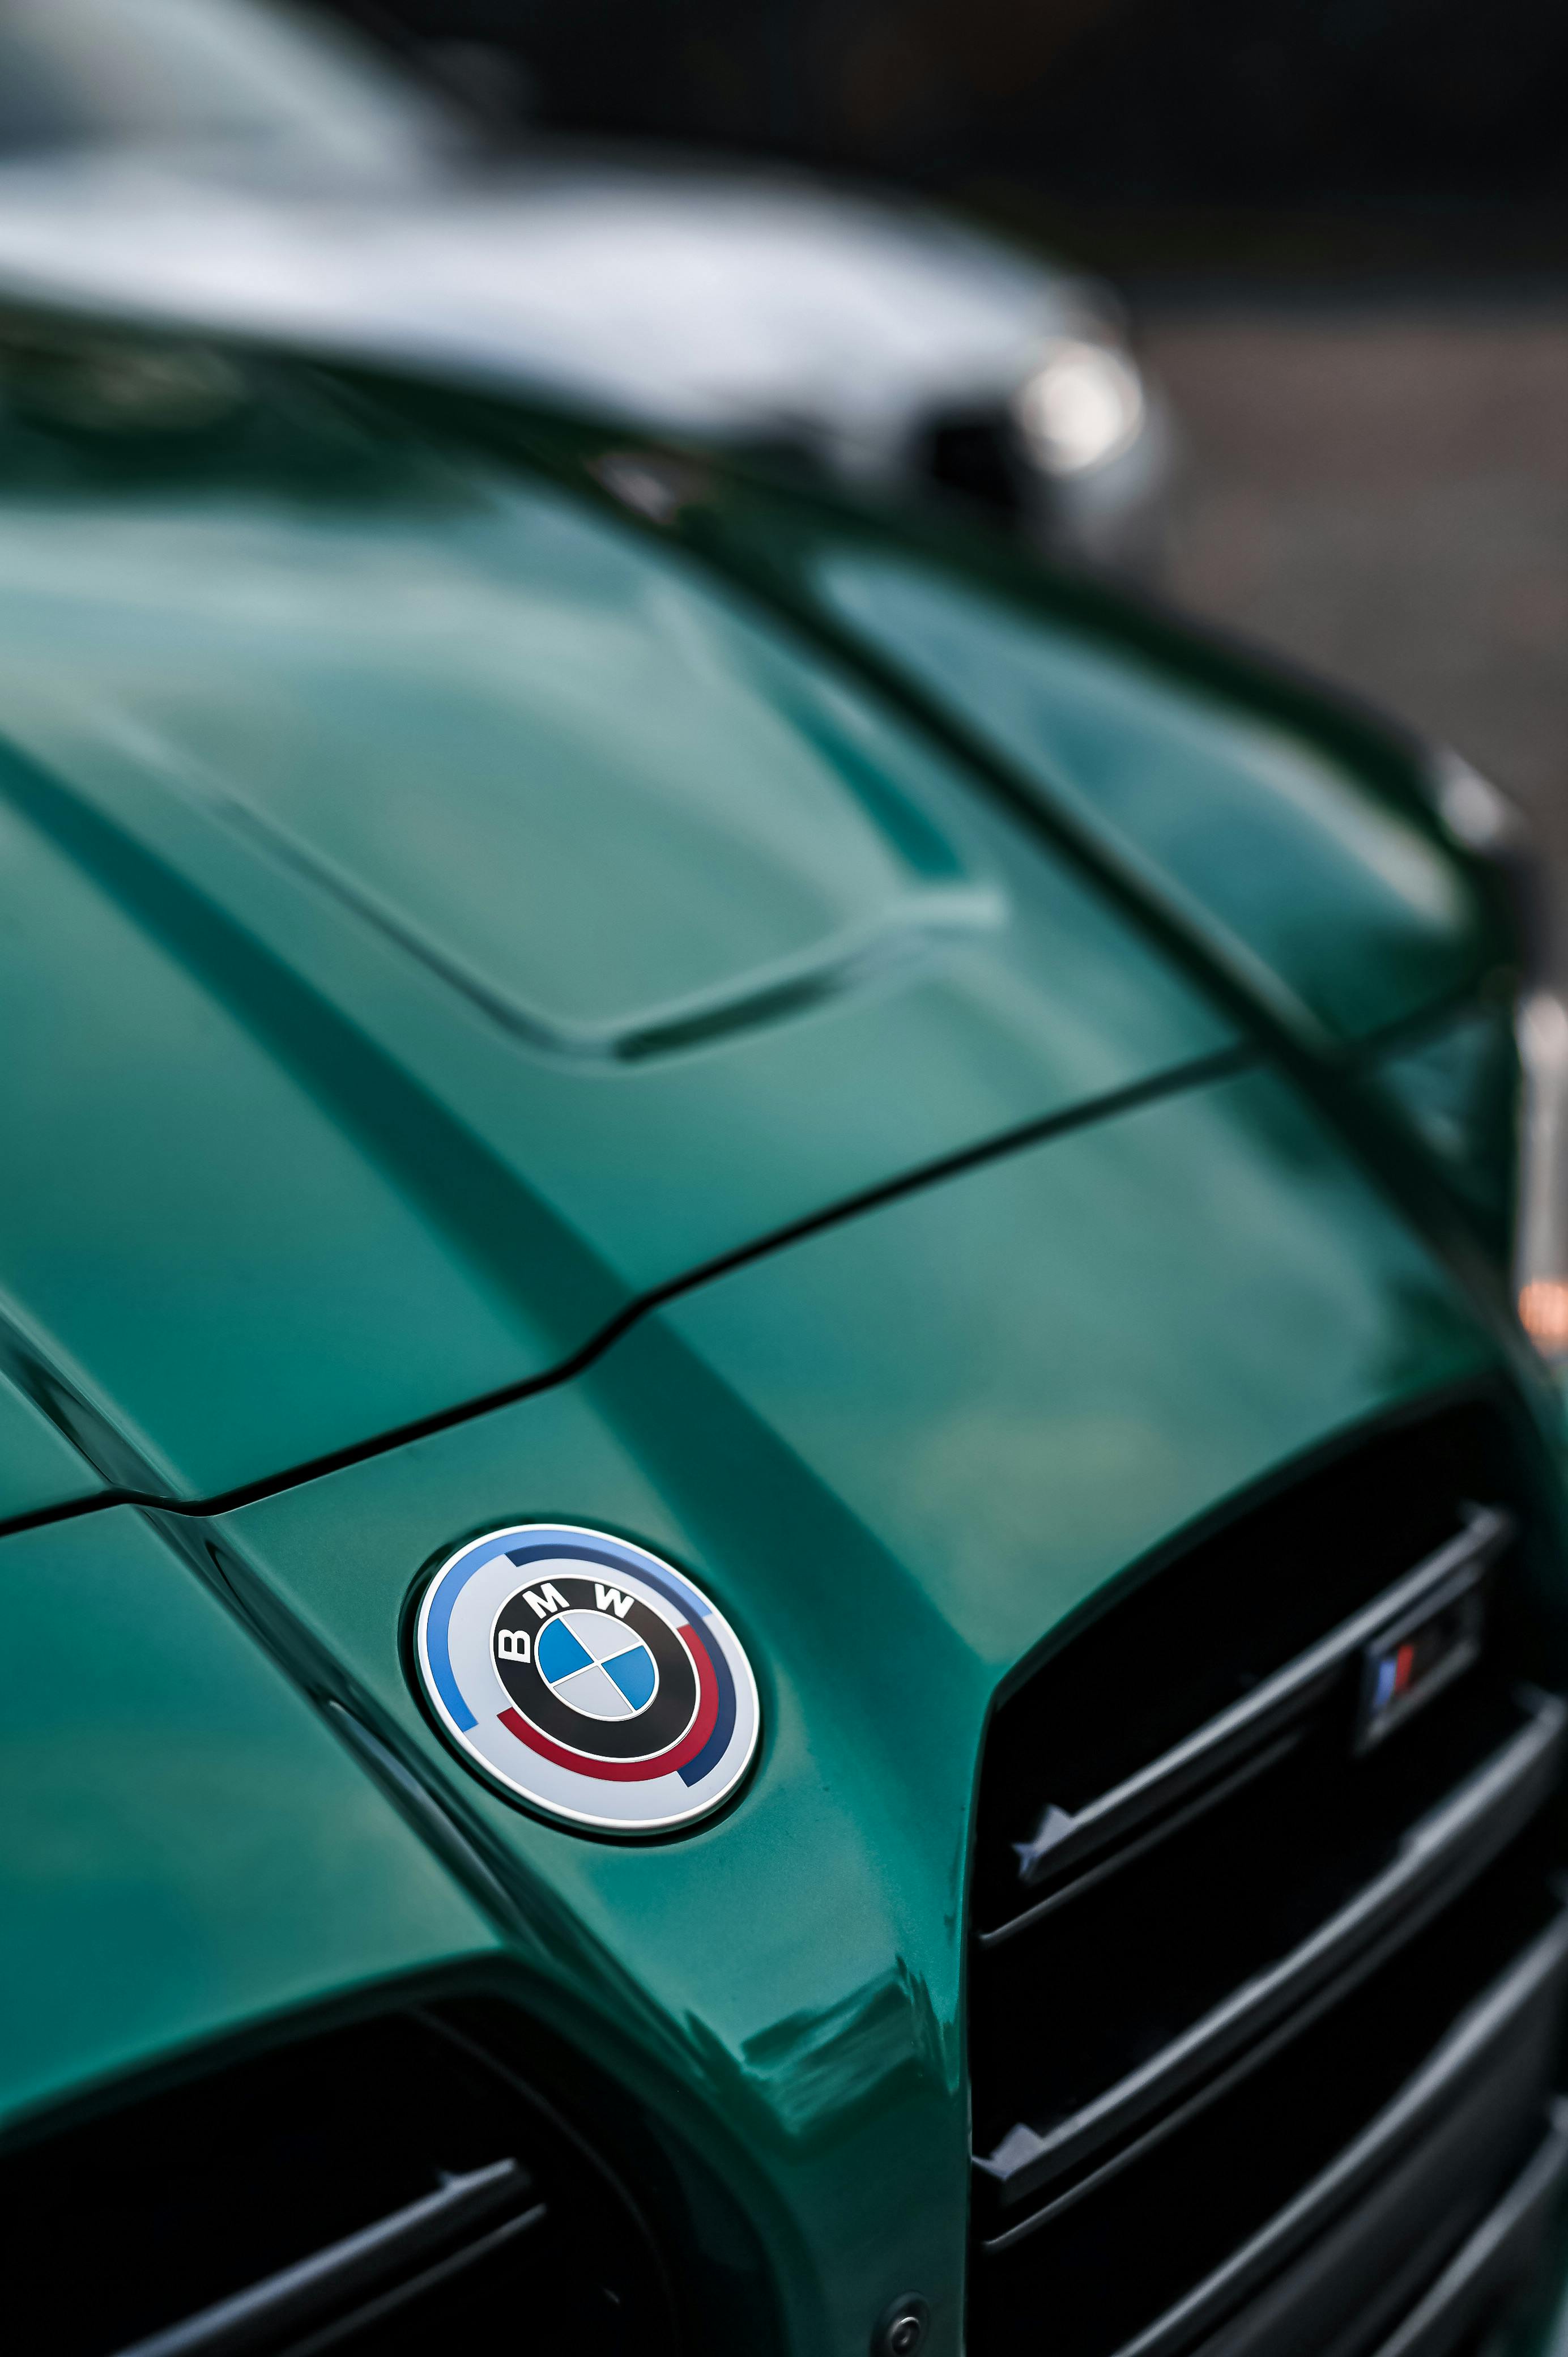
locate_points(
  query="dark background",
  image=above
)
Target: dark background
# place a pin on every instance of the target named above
(1342, 226)
(1448, 114)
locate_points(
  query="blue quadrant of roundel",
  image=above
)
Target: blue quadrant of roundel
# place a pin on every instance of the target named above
(558, 1652)
(634, 1672)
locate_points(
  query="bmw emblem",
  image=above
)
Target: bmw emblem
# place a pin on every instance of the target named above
(587, 1677)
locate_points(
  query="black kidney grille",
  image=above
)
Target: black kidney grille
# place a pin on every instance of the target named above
(1268, 1957)
(382, 2187)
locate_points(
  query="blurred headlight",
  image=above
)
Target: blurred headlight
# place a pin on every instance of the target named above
(1474, 813)
(1083, 404)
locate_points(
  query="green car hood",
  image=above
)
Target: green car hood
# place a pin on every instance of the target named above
(1293, 836)
(439, 912)
(502, 1028)
(898, 1453)
(432, 919)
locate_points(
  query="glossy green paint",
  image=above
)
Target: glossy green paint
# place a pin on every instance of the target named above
(1457, 1085)
(429, 919)
(39, 1467)
(1285, 845)
(1296, 839)
(456, 918)
(900, 1454)
(1273, 845)
(184, 1848)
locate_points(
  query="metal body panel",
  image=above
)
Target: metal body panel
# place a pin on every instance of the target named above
(1275, 843)
(40, 1468)
(899, 1455)
(184, 1848)
(350, 1110)
(376, 1015)
(1289, 830)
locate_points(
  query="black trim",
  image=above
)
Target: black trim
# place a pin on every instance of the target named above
(300, 2294)
(1436, 2116)
(1249, 1725)
(1441, 1852)
(1499, 2250)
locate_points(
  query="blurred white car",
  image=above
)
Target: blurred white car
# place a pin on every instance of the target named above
(240, 165)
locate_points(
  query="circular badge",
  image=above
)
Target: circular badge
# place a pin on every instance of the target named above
(587, 1677)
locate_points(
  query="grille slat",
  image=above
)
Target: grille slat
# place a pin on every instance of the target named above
(1499, 2046)
(455, 2221)
(1456, 1839)
(1263, 1863)
(1494, 2256)
(381, 2185)
(1062, 1841)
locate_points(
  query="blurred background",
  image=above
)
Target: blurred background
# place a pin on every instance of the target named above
(1263, 302)
(1260, 305)
(1340, 228)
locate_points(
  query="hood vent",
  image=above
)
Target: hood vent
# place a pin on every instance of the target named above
(1269, 1953)
(385, 2187)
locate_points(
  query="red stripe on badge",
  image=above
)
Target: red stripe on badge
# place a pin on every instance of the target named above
(635, 1772)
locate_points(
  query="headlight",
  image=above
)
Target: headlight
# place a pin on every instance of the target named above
(1083, 404)
(1475, 814)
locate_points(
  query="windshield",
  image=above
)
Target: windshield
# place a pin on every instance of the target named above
(226, 79)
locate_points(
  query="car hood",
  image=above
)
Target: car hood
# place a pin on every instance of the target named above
(448, 940)
(724, 303)
(899, 1455)
(434, 919)
(1296, 835)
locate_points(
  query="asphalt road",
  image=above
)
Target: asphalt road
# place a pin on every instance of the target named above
(1382, 490)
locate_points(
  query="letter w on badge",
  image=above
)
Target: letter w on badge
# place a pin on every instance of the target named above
(610, 1599)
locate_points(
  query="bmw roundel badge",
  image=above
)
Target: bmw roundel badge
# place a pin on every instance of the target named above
(587, 1677)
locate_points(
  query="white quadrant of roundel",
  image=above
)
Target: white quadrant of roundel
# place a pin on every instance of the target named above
(594, 1664)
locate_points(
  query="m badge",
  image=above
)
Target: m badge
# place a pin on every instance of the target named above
(1410, 1663)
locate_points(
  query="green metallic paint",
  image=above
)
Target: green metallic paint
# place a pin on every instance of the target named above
(381, 1063)
(1283, 844)
(900, 1454)
(183, 1847)
(1248, 808)
(1295, 831)
(313, 1140)
(38, 1466)
(1273, 845)
(1457, 1085)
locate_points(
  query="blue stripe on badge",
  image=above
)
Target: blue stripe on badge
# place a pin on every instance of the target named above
(669, 1584)
(437, 1639)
